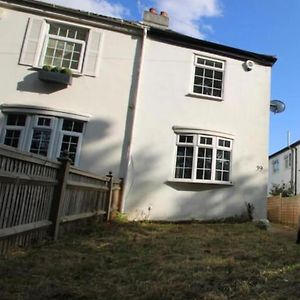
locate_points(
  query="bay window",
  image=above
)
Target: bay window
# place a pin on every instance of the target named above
(203, 158)
(44, 135)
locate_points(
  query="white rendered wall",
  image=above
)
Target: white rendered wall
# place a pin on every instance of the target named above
(104, 97)
(164, 102)
(285, 174)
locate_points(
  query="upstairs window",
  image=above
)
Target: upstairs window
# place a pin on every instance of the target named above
(44, 135)
(208, 77)
(275, 165)
(65, 45)
(203, 158)
(288, 161)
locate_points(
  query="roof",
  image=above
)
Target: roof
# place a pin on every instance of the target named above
(163, 35)
(297, 143)
(172, 37)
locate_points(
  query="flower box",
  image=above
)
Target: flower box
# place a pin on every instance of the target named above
(55, 77)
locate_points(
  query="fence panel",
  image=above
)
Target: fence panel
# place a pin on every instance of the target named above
(38, 195)
(285, 210)
(27, 185)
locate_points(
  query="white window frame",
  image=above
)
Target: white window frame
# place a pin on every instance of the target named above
(65, 39)
(70, 133)
(56, 136)
(34, 125)
(196, 64)
(22, 129)
(196, 145)
(35, 43)
(288, 161)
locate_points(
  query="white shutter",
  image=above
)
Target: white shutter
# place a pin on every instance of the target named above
(31, 42)
(92, 54)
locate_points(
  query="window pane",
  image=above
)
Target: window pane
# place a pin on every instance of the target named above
(225, 176)
(180, 162)
(12, 138)
(218, 65)
(179, 173)
(209, 73)
(186, 139)
(44, 122)
(204, 163)
(218, 175)
(200, 61)
(198, 89)
(69, 145)
(187, 173)
(184, 162)
(198, 80)
(217, 93)
(207, 174)
(40, 142)
(222, 164)
(199, 71)
(70, 125)
(16, 119)
(217, 84)
(206, 140)
(209, 63)
(226, 155)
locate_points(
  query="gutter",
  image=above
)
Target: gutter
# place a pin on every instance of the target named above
(72, 15)
(131, 120)
(296, 169)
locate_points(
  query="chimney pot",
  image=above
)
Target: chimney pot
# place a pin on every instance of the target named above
(153, 11)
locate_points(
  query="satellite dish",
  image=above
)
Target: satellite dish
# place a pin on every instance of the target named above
(277, 106)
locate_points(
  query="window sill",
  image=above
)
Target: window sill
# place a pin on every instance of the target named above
(206, 97)
(215, 183)
(197, 186)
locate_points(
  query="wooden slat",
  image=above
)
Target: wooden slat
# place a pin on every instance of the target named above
(82, 216)
(23, 228)
(17, 177)
(82, 173)
(84, 185)
(25, 156)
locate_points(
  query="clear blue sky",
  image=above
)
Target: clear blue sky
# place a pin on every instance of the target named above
(263, 26)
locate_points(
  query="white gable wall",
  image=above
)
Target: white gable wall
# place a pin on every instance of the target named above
(163, 103)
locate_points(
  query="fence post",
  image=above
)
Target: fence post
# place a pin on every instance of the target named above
(110, 192)
(57, 203)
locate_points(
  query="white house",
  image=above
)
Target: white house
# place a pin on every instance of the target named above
(284, 168)
(182, 120)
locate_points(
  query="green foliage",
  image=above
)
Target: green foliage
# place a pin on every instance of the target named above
(47, 68)
(57, 70)
(66, 71)
(120, 217)
(286, 190)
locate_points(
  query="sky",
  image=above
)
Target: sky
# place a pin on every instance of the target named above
(262, 26)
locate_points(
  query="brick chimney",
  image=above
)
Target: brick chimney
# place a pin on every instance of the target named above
(152, 18)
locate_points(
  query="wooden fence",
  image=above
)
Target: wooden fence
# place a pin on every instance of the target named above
(38, 196)
(285, 210)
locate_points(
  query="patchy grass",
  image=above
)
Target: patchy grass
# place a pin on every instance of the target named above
(157, 261)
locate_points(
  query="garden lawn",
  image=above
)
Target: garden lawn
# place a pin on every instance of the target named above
(157, 261)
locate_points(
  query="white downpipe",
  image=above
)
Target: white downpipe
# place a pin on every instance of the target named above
(133, 105)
